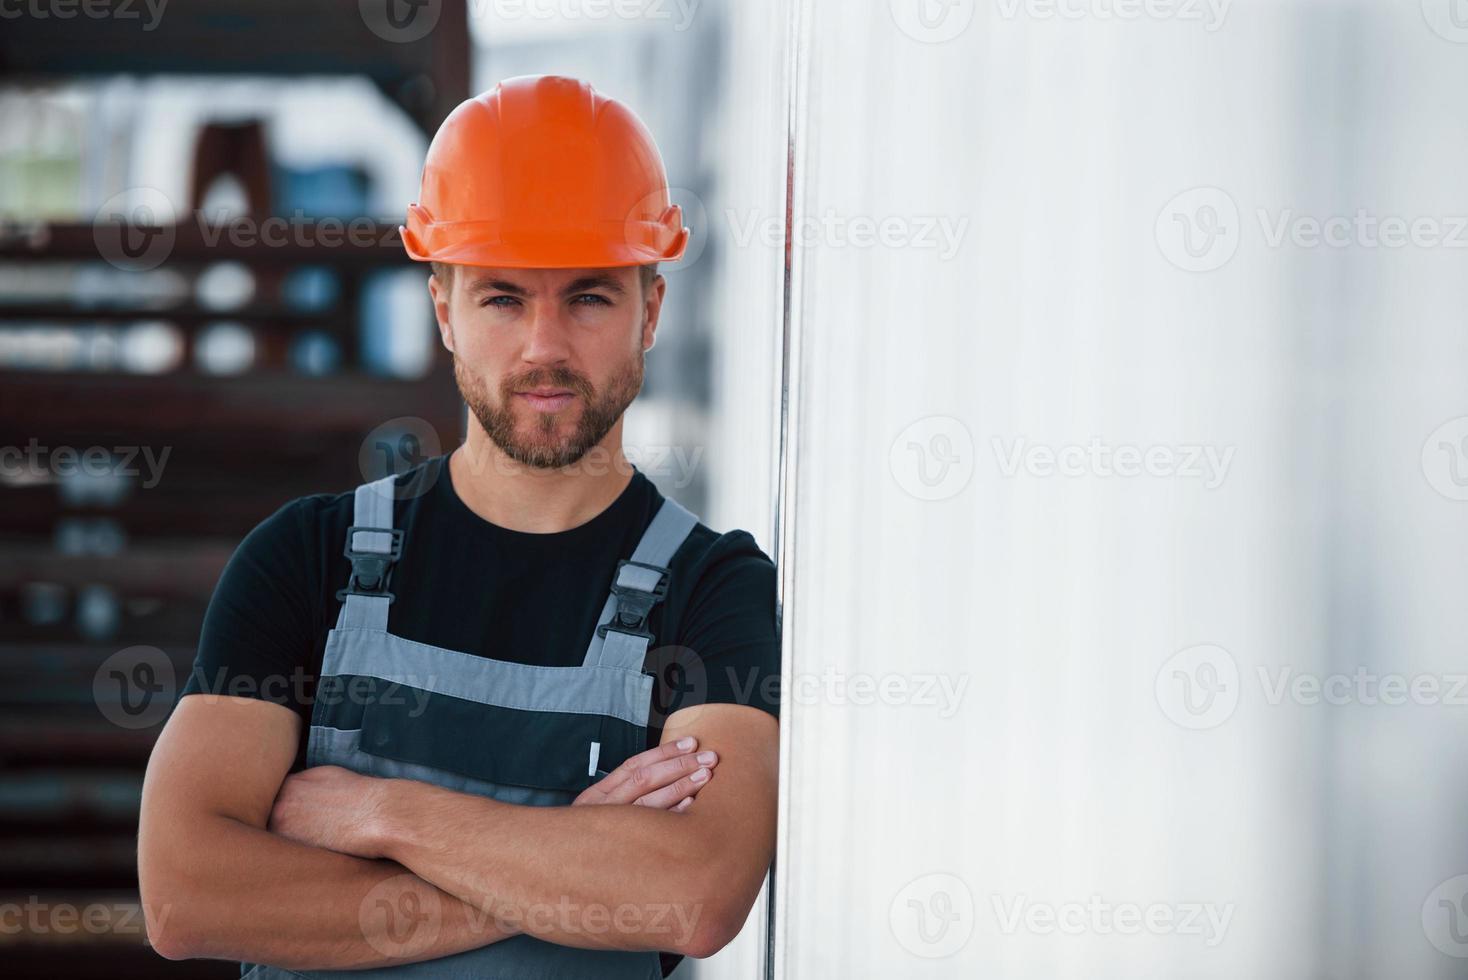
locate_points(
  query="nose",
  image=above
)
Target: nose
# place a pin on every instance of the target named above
(547, 338)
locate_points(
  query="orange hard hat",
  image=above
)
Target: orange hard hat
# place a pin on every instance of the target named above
(544, 172)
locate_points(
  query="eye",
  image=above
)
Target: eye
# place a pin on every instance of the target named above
(595, 300)
(495, 301)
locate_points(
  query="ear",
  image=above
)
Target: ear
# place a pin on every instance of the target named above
(441, 294)
(652, 308)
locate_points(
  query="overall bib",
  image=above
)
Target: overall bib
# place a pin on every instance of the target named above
(518, 733)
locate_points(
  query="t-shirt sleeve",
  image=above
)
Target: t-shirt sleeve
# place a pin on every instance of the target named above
(731, 644)
(257, 635)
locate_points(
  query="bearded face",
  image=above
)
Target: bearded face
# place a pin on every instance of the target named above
(556, 427)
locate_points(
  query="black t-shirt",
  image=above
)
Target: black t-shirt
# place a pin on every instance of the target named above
(469, 585)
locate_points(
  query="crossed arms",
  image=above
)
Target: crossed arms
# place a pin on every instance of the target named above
(237, 861)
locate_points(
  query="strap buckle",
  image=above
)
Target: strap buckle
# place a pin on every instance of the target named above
(371, 569)
(634, 604)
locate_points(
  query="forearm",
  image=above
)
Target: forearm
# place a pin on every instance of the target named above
(221, 889)
(603, 877)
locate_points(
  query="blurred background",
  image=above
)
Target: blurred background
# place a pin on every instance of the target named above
(205, 311)
(1095, 370)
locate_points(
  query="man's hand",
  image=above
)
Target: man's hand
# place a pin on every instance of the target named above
(665, 777)
(330, 807)
(335, 808)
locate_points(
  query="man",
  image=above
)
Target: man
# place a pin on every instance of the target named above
(522, 629)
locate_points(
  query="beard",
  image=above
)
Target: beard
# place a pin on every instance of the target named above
(540, 442)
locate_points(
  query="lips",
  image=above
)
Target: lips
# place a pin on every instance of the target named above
(546, 399)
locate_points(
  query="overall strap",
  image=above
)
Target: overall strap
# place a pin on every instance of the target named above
(373, 545)
(621, 636)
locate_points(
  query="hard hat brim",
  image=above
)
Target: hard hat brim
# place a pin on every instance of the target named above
(487, 243)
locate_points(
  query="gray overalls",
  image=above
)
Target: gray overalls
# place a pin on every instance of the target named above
(518, 733)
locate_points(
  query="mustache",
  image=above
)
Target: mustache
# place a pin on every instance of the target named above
(547, 378)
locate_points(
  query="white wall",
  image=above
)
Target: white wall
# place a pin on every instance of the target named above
(1073, 769)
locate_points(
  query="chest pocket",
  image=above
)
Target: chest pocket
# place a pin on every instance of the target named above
(593, 720)
(397, 707)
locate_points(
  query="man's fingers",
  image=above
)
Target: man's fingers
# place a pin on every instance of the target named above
(672, 795)
(667, 773)
(649, 773)
(658, 753)
(687, 802)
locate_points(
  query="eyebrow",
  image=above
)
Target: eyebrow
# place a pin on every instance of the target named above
(581, 285)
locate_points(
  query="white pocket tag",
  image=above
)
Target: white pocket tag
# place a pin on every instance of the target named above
(595, 754)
